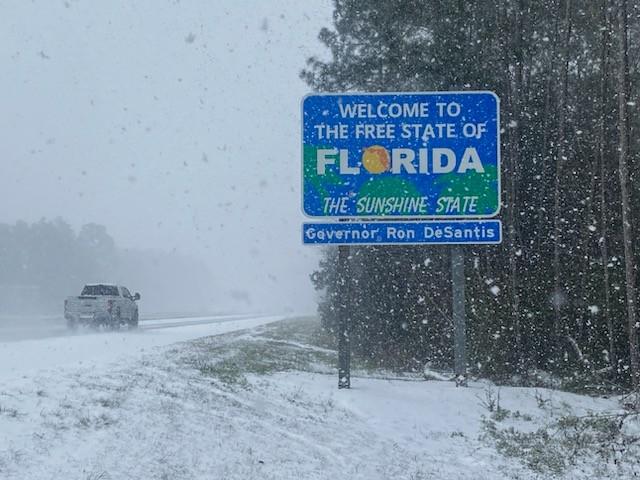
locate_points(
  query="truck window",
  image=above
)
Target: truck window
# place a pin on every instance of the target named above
(100, 290)
(125, 293)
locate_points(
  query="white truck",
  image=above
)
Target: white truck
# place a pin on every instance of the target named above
(102, 304)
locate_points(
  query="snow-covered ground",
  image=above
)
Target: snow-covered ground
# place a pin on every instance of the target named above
(89, 348)
(258, 404)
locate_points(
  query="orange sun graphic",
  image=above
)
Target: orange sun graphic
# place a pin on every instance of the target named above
(375, 159)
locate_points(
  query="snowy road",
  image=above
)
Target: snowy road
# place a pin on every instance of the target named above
(45, 326)
(156, 323)
(56, 351)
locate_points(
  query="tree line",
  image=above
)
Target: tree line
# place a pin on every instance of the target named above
(560, 293)
(43, 262)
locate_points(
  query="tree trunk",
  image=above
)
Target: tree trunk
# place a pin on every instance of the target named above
(514, 162)
(604, 246)
(623, 165)
(541, 240)
(558, 294)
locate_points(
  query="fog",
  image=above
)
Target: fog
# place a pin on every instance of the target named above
(175, 125)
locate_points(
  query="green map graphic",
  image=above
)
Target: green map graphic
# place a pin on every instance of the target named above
(332, 185)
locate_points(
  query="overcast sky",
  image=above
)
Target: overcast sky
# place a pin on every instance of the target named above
(174, 123)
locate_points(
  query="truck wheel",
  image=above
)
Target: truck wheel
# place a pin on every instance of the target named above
(133, 323)
(72, 324)
(101, 321)
(116, 320)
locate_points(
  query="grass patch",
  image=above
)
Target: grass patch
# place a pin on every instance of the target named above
(284, 346)
(304, 330)
(109, 402)
(95, 422)
(97, 476)
(568, 441)
(532, 448)
(290, 345)
(9, 412)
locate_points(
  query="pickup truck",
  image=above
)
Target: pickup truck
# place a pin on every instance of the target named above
(102, 304)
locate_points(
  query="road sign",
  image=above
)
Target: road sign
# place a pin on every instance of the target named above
(403, 233)
(401, 155)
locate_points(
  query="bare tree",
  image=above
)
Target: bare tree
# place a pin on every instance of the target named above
(625, 193)
(561, 160)
(516, 84)
(604, 218)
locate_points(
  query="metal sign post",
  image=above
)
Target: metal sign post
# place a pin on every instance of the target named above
(344, 340)
(459, 317)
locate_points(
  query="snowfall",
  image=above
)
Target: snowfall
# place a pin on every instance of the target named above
(152, 404)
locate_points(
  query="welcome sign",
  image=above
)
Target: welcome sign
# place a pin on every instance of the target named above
(408, 155)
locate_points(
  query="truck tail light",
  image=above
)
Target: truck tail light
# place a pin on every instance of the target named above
(66, 302)
(109, 305)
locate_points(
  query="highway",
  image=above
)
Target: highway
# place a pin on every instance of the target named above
(31, 327)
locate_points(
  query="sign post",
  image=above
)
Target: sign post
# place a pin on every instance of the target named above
(401, 169)
(459, 317)
(344, 340)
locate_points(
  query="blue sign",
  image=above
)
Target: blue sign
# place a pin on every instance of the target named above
(401, 155)
(403, 233)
